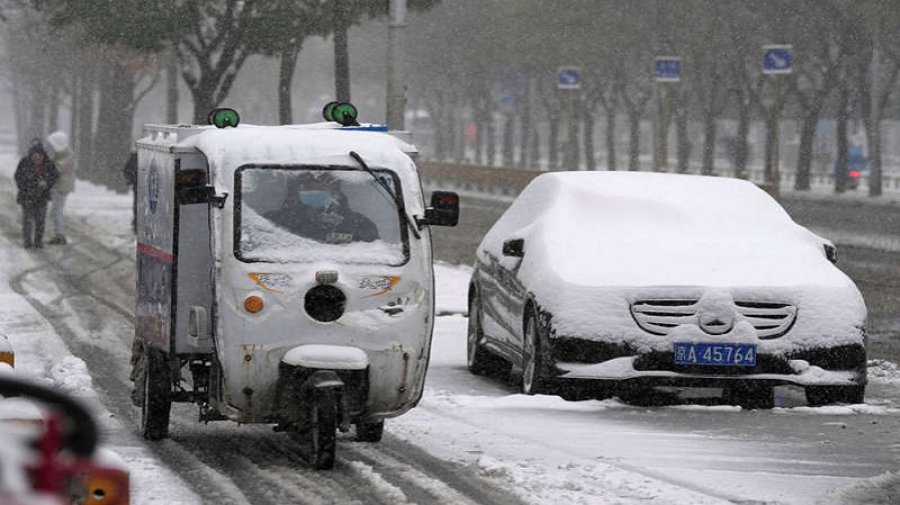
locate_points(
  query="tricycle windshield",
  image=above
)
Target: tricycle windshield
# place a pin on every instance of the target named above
(301, 214)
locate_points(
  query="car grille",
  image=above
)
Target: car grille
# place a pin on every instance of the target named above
(660, 315)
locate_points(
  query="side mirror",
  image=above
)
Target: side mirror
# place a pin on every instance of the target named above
(514, 247)
(444, 210)
(830, 253)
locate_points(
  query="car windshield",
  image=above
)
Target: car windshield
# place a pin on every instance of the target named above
(314, 213)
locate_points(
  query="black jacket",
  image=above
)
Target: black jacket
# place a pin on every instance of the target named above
(34, 185)
(130, 170)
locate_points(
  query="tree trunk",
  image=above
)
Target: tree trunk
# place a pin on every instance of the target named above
(590, 160)
(172, 87)
(536, 148)
(840, 165)
(203, 102)
(663, 120)
(490, 138)
(84, 148)
(610, 139)
(21, 115)
(553, 142)
(74, 112)
(509, 130)
(38, 110)
(53, 105)
(771, 141)
(709, 143)
(115, 120)
(804, 156)
(873, 136)
(525, 130)
(341, 51)
(570, 155)
(684, 143)
(285, 79)
(480, 141)
(742, 147)
(634, 139)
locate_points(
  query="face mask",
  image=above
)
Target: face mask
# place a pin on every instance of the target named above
(318, 199)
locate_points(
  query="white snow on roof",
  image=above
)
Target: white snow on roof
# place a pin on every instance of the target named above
(229, 148)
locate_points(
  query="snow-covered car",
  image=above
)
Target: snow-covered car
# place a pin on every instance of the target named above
(630, 281)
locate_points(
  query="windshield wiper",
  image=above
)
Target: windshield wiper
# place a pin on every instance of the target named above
(390, 192)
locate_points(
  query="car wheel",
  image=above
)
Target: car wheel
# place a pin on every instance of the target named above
(369, 432)
(480, 361)
(749, 395)
(535, 379)
(823, 395)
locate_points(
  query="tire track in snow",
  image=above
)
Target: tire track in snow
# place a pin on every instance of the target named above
(264, 471)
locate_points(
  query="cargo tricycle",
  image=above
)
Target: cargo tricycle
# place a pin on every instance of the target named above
(284, 276)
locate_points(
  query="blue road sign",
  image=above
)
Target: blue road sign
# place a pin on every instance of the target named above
(668, 69)
(777, 60)
(569, 78)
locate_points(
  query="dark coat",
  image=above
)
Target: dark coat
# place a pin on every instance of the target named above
(34, 185)
(129, 171)
(339, 226)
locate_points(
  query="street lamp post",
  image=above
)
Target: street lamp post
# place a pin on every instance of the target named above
(777, 63)
(396, 78)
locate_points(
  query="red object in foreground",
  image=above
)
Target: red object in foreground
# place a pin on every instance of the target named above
(75, 479)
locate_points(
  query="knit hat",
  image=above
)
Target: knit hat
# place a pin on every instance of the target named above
(59, 141)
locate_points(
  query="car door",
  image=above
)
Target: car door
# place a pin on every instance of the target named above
(503, 299)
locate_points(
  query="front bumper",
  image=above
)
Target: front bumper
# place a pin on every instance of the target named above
(578, 359)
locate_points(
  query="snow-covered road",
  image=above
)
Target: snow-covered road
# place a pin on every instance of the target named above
(472, 439)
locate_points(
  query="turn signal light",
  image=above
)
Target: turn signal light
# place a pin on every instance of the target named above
(253, 304)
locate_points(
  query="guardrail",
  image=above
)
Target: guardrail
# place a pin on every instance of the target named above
(510, 181)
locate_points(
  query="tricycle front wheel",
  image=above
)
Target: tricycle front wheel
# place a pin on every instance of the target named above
(323, 430)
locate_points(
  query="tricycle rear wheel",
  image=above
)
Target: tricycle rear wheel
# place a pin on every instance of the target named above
(369, 432)
(156, 403)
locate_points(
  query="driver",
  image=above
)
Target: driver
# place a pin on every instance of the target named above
(316, 208)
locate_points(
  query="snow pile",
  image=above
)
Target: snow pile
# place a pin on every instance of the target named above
(880, 490)
(884, 372)
(586, 484)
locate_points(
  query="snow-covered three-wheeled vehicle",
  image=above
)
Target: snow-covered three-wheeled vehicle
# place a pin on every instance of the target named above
(284, 276)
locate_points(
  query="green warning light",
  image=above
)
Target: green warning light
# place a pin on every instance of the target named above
(344, 113)
(222, 118)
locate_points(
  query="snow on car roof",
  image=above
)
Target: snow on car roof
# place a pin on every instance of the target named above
(656, 229)
(227, 149)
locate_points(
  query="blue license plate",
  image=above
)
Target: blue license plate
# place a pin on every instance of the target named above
(687, 353)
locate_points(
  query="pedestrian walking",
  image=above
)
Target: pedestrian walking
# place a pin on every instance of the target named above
(129, 171)
(64, 160)
(35, 177)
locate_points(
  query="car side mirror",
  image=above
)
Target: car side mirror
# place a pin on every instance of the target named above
(830, 253)
(444, 210)
(514, 247)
